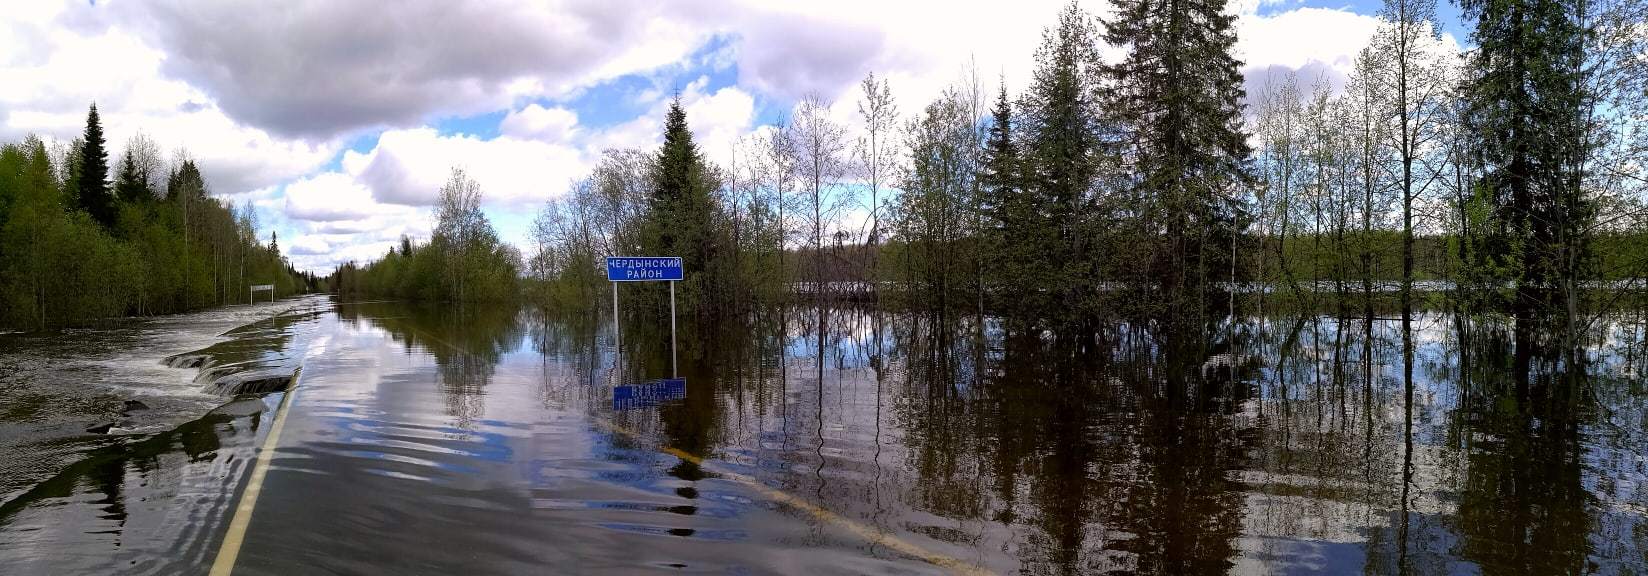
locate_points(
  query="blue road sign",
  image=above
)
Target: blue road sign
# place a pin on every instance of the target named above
(648, 394)
(643, 268)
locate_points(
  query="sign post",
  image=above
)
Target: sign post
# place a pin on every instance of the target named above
(646, 269)
(256, 287)
(674, 370)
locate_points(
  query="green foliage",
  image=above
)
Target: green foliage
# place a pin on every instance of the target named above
(1488, 257)
(1525, 109)
(1177, 97)
(129, 185)
(185, 183)
(932, 211)
(681, 216)
(60, 266)
(1062, 154)
(1012, 237)
(463, 262)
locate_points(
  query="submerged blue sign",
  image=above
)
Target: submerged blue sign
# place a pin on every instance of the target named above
(649, 394)
(643, 268)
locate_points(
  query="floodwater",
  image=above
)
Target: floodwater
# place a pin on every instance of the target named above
(54, 386)
(840, 441)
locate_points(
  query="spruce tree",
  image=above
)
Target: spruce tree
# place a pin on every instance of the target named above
(1060, 158)
(1000, 175)
(71, 176)
(681, 207)
(1008, 212)
(130, 185)
(1178, 94)
(1523, 99)
(185, 184)
(93, 176)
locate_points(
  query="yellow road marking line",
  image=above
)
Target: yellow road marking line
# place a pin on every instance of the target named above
(224, 564)
(868, 533)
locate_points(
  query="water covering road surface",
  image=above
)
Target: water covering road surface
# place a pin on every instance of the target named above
(425, 440)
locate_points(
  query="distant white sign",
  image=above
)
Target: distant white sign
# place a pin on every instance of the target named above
(259, 288)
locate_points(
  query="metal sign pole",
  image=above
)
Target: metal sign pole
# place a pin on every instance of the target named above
(644, 269)
(674, 368)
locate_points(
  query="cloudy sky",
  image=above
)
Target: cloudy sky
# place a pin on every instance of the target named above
(339, 120)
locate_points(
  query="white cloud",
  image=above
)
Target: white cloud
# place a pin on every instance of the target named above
(1314, 45)
(717, 120)
(408, 167)
(321, 246)
(825, 48)
(364, 65)
(330, 197)
(263, 107)
(720, 119)
(537, 122)
(1299, 37)
(335, 216)
(308, 245)
(58, 70)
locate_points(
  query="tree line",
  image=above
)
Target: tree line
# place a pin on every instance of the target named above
(463, 261)
(1507, 177)
(1511, 174)
(77, 247)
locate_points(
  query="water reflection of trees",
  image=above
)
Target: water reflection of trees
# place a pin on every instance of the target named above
(570, 354)
(1117, 451)
(1523, 508)
(1477, 452)
(1278, 443)
(465, 342)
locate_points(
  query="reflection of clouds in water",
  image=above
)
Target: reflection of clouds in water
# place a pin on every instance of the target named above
(465, 343)
(1275, 446)
(1319, 448)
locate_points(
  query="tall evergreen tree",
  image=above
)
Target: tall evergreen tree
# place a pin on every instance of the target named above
(1062, 150)
(1524, 101)
(682, 209)
(1000, 174)
(1008, 210)
(185, 183)
(93, 177)
(1178, 95)
(130, 184)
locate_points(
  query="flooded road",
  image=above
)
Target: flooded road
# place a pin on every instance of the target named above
(434, 440)
(55, 387)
